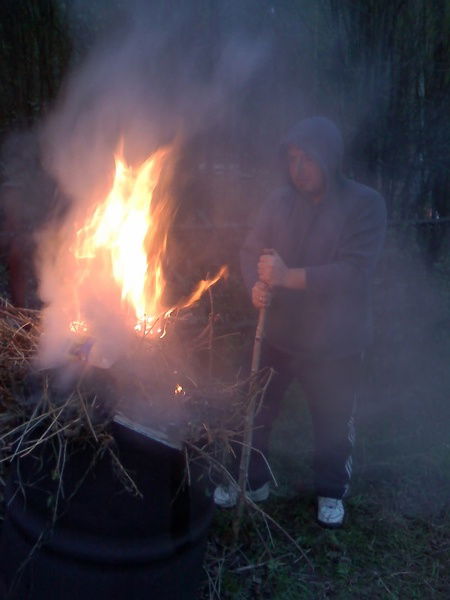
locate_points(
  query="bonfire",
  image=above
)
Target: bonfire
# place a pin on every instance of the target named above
(107, 344)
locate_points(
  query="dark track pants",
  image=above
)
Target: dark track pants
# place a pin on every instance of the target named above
(330, 388)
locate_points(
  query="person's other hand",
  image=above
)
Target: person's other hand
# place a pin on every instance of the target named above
(271, 268)
(261, 295)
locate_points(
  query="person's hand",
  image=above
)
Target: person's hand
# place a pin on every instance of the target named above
(271, 268)
(261, 295)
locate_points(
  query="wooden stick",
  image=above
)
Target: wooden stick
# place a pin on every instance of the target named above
(259, 335)
(249, 419)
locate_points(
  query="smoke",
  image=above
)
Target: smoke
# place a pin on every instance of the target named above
(119, 91)
(131, 90)
(404, 408)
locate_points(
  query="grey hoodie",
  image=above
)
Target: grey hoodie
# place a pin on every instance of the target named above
(337, 241)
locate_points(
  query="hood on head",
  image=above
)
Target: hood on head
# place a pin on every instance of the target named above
(321, 139)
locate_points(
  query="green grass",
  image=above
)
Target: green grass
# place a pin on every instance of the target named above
(379, 554)
(396, 540)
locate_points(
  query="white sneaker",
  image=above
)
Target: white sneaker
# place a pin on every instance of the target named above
(226, 496)
(330, 512)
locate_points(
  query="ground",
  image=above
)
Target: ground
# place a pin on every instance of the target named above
(396, 539)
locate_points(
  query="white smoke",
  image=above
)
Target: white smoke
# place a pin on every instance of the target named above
(119, 93)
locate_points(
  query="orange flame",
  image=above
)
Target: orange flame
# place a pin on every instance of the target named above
(202, 287)
(125, 239)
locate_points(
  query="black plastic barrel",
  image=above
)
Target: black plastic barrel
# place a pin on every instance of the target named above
(106, 543)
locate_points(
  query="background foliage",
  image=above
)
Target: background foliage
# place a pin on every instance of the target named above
(381, 69)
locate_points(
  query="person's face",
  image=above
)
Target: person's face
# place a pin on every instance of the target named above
(305, 173)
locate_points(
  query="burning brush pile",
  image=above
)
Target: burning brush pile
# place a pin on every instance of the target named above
(107, 345)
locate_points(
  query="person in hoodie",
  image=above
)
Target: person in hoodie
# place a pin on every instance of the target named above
(309, 258)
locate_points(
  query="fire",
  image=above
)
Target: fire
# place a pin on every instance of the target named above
(122, 243)
(78, 327)
(201, 288)
(122, 229)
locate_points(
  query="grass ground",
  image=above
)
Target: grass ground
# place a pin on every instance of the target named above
(396, 541)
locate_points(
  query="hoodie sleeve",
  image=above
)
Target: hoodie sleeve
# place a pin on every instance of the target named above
(257, 239)
(357, 255)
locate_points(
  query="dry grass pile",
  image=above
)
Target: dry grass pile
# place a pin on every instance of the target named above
(208, 415)
(19, 335)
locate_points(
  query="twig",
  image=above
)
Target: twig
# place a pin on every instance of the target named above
(211, 332)
(59, 471)
(127, 477)
(391, 594)
(86, 414)
(249, 502)
(43, 438)
(258, 565)
(280, 528)
(262, 455)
